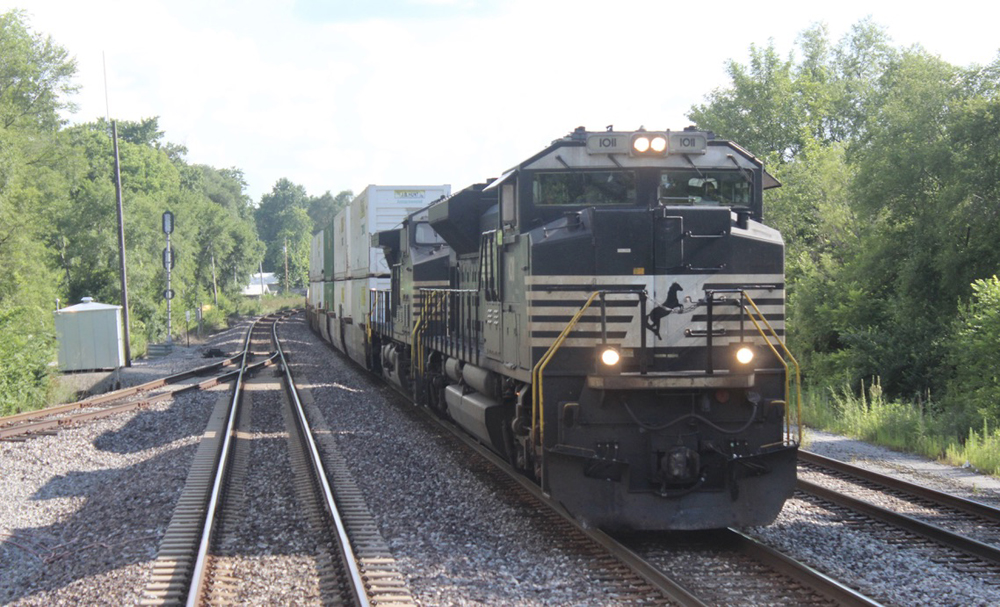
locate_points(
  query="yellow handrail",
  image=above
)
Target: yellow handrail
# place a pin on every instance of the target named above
(537, 404)
(368, 317)
(798, 371)
(416, 339)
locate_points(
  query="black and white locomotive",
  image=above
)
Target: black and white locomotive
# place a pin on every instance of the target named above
(607, 316)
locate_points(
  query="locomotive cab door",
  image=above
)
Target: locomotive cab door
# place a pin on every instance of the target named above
(490, 289)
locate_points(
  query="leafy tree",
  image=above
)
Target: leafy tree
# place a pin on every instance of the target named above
(759, 110)
(286, 218)
(35, 77)
(323, 208)
(35, 84)
(889, 205)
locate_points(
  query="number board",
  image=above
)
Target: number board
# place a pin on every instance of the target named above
(688, 143)
(618, 143)
(608, 143)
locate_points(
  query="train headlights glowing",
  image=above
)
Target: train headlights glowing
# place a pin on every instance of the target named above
(744, 355)
(649, 144)
(610, 357)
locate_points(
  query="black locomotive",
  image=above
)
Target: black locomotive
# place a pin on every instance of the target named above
(607, 315)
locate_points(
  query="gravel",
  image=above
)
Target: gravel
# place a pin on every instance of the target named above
(459, 542)
(877, 561)
(84, 514)
(267, 543)
(82, 511)
(457, 539)
(962, 481)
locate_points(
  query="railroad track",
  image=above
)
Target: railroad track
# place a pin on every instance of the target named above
(710, 568)
(23, 426)
(964, 533)
(192, 566)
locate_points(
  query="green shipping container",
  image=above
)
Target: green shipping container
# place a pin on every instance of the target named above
(328, 253)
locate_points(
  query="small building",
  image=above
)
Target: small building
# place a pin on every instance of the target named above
(271, 284)
(90, 336)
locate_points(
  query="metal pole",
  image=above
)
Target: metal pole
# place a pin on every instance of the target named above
(170, 334)
(121, 247)
(260, 267)
(215, 285)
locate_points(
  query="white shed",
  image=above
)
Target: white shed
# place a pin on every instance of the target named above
(90, 336)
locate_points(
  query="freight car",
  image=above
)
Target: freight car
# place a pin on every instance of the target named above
(608, 316)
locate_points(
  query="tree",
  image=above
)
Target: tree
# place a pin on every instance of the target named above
(759, 110)
(322, 209)
(35, 84)
(35, 77)
(890, 199)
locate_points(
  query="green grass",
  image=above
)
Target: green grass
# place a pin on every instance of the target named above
(902, 426)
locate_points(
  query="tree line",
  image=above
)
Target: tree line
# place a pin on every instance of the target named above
(58, 220)
(889, 210)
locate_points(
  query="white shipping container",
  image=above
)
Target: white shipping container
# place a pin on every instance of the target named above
(316, 294)
(316, 257)
(341, 244)
(90, 336)
(380, 208)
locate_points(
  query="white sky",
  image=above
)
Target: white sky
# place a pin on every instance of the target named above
(339, 94)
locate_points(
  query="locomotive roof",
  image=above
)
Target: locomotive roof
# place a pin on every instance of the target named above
(573, 152)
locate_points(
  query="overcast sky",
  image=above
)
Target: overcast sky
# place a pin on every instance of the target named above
(335, 95)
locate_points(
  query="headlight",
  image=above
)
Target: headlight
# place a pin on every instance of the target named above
(610, 357)
(641, 144)
(744, 355)
(649, 144)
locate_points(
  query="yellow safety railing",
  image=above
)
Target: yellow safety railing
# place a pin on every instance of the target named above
(537, 403)
(430, 298)
(798, 371)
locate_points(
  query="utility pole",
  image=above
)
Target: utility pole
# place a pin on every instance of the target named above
(260, 267)
(215, 286)
(121, 247)
(286, 266)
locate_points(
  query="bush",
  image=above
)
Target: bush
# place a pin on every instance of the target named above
(975, 353)
(980, 450)
(27, 348)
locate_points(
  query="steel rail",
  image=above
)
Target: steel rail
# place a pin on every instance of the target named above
(670, 588)
(75, 415)
(798, 571)
(197, 582)
(358, 588)
(934, 533)
(116, 394)
(939, 497)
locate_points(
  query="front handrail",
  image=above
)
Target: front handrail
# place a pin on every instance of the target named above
(537, 403)
(798, 370)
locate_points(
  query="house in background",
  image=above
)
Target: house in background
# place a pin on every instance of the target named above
(271, 285)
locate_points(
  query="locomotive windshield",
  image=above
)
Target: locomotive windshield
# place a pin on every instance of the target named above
(728, 188)
(425, 234)
(585, 188)
(626, 187)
